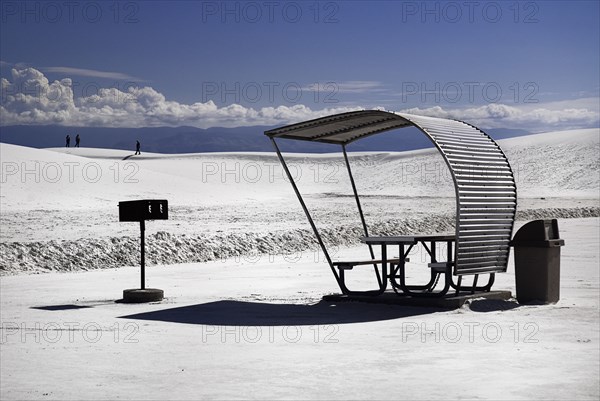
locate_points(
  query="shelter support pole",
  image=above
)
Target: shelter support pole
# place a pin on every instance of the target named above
(307, 213)
(360, 211)
(143, 254)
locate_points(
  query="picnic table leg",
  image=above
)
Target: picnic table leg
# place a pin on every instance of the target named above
(448, 270)
(394, 270)
(384, 275)
(458, 287)
(411, 289)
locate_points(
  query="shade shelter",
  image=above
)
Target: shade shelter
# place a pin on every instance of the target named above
(486, 198)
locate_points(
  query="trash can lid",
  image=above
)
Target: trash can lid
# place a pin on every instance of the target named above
(538, 233)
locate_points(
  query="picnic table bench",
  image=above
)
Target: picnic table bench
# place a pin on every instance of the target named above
(393, 270)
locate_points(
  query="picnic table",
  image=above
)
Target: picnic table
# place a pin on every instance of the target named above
(393, 269)
(395, 273)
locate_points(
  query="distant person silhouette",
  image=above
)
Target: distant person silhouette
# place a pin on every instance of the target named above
(77, 141)
(137, 148)
(68, 141)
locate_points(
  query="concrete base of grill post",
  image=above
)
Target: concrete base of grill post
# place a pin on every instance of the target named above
(138, 295)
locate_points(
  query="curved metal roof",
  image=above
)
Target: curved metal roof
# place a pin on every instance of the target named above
(486, 192)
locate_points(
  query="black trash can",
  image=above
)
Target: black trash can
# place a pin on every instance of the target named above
(537, 262)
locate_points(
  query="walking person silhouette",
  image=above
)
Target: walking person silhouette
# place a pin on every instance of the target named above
(77, 139)
(137, 148)
(68, 138)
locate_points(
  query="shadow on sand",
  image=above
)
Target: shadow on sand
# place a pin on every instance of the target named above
(59, 307)
(238, 313)
(492, 305)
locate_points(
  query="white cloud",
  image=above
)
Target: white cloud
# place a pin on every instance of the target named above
(83, 72)
(29, 98)
(536, 118)
(333, 87)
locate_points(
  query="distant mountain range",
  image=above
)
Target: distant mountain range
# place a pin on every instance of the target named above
(194, 140)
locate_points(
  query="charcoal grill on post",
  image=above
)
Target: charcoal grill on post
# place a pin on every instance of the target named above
(142, 210)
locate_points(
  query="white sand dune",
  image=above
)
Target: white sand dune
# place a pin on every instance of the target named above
(250, 324)
(255, 329)
(224, 204)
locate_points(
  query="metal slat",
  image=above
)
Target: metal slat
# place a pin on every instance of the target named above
(479, 174)
(482, 236)
(488, 223)
(478, 216)
(461, 139)
(475, 265)
(489, 209)
(506, 226)
(483, 260)
(487, 200)
(484, 181)
(455, 142)
(473, 173)
(498, 163)
(486, 195)
(485, 226)
(477, 148)
(507, 221)
(473, 215)
(491, 235)
(471, 199)
(488, 212)
(487, 249)
(487, 191)
(472, 167)
(459, 128)
(476, 249)
(484, 206)
(471, 176)
(470, 155)
(500, 187)
(454, 131)
(491, 154)
(477, 242)
(491, 241)
(490, 158)
(484, 148)
(464, 179)
(499, 256)
(483, 232)
(476, 160)
(455, 134)
(468, 256)
(460, 271)
(477, 219)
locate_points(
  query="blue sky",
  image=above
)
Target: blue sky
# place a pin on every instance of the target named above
(497, 63)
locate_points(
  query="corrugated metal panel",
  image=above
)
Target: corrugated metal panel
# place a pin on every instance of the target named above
(486, 195)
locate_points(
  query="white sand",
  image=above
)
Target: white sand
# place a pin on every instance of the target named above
(252, 326)
(253, 329)
(225, 204)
